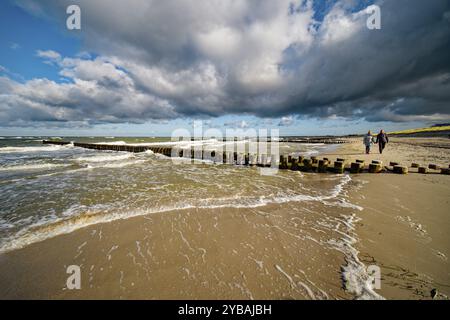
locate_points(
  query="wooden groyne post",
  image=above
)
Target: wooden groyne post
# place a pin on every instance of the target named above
(285, 162)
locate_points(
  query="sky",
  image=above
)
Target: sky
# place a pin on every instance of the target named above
(146, 68)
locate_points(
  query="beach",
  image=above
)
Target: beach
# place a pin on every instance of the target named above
(141, 228)
(405, 222)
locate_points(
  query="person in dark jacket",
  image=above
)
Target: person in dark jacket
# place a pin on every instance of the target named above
(382, 140)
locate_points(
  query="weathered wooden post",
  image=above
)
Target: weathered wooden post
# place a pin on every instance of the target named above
(323, 166)
(307, 165)
(230, 158)
(356, 167)
(240, 159)
(400, 169)
(283, 163)
(339, 167)
(262, 160)
(300, 161)
(253, 159)
(376, 167)
(294, 164)
(423, 170)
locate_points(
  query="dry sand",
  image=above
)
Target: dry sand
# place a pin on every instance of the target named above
(405, 226)
(423, 151)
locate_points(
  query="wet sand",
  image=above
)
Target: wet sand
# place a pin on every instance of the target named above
(270, 252)
(190, 254)
(404, 229)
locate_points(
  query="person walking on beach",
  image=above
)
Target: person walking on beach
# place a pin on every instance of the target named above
(382, 140)
(368, 140)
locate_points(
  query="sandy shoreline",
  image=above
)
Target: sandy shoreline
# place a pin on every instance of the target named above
(166, 256)
(250, 253)
(405, 222)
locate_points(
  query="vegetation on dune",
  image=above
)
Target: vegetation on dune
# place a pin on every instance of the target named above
(421, 130)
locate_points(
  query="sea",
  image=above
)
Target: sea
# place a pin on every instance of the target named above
(49, 190)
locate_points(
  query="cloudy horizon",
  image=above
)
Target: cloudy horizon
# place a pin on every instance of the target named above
(146, 67)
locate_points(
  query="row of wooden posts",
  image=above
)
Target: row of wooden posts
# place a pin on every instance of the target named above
(286, 162)
(341, 165)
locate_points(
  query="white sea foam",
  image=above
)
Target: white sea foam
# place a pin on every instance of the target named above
(210, 144)
(25, 167)
(78, 217)
(106, 157)
(182, 144)
(33, 149)
(108, 165)
(118, 164)
(357, 280)
(113, 143)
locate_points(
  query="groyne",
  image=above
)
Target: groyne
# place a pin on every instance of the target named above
(283, 162)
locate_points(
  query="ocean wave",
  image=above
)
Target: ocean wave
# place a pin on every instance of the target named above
(39, 166)
(181, 144)
(79, 217)
(113, 143)
(98, 165)
(85, 217)
(106, 158)
(33, 149)
(115, 165)
(210, 144)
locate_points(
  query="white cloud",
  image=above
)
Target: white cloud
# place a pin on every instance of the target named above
(48, 54)
(286, 121)
(98, 91)
(243, 124)
(267, 58)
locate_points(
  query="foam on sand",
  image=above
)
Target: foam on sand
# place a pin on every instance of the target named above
(356, 278)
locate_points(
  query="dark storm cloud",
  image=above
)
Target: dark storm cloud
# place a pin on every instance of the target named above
(170, 59)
